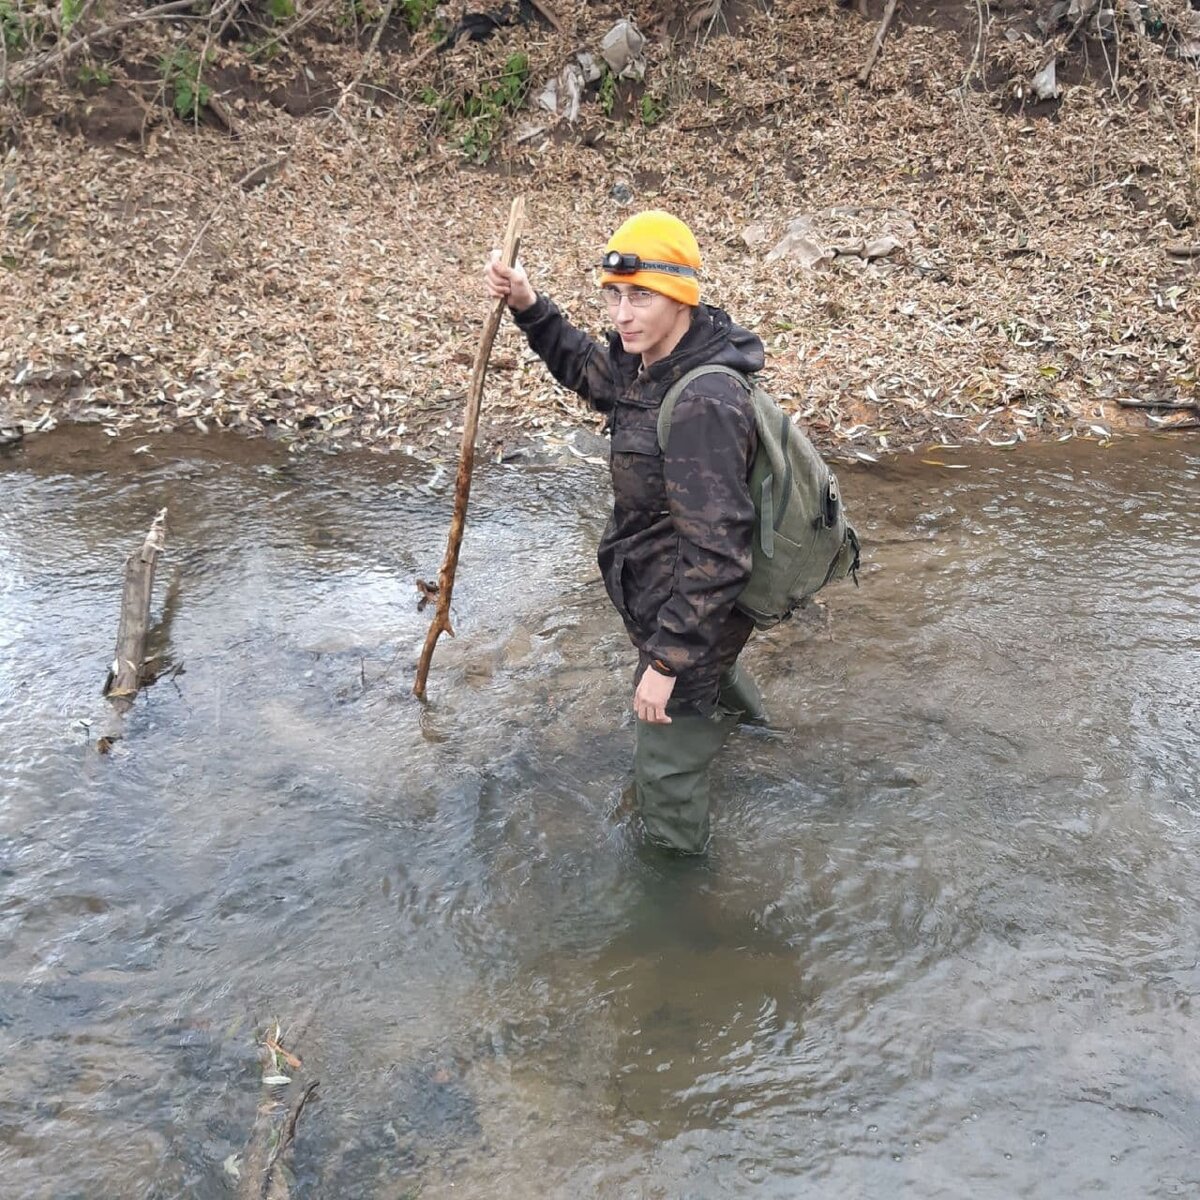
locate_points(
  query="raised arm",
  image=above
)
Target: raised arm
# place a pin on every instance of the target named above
(575, 359)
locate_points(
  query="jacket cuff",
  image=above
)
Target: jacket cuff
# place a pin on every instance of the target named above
(527, 318)
(677, 655)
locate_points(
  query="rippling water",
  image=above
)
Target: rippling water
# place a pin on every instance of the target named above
(944, 944)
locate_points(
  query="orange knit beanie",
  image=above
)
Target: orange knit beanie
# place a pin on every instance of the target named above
(667, 251)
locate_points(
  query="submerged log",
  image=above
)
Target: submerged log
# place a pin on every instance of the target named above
(260, 1173)
(262, 1177)
(125, 675)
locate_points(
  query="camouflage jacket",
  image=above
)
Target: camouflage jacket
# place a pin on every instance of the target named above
(676, 551)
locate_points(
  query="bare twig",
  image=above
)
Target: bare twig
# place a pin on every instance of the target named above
(1153, 71)
(706, 15)
(384, 18)
(31, 68)
(976, 57)
(550, 15)
(1089, 11)
(1164, 425)
(220, 110)
(877, 43)
(466, 459)
(81, 17)
(296, 26)
(274, 1130)
(226, 10)
(1171, 405)
(144, 302)
(264, 171)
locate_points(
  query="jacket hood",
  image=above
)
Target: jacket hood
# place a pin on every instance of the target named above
(712, 338)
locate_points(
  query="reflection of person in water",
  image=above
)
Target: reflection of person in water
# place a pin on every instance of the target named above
(676, 552)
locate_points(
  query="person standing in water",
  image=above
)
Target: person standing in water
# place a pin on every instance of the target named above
(677, 548)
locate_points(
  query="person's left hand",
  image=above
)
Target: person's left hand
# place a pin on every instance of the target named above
(650, 699)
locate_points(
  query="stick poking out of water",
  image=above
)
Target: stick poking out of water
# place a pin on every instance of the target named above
(126, 674)
(466, 457)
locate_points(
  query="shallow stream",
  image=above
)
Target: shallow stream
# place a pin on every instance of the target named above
(946, 941)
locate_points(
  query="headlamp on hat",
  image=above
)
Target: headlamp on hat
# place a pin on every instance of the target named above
(617, 263)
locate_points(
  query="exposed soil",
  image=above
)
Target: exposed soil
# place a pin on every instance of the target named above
(304, 260)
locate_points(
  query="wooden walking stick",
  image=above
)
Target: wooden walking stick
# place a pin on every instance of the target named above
(466, 456)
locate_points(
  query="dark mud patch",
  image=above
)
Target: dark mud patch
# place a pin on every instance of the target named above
(311, 88)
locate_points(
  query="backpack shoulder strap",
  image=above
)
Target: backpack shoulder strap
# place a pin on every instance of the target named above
(676, 390)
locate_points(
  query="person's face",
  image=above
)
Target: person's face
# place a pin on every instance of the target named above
(650, 324)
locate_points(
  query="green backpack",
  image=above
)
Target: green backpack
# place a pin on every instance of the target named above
(803, 539)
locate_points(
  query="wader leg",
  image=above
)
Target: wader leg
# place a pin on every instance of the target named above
(670, 769)
(739, 694)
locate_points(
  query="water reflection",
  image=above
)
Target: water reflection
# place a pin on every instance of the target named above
(943, 943)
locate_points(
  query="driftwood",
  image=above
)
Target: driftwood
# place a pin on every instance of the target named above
(222, 112)
(1173, 424)
(126, 674)
(877, 43)
(260, 1172)
(550, 15)
(466, 457)
(1130, 402)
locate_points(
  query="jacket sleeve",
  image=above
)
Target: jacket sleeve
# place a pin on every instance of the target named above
(706, 468)
(576, 360)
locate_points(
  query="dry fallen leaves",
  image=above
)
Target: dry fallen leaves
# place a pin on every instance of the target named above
(339, 304)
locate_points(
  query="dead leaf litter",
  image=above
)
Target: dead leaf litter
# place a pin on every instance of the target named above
(928, 263)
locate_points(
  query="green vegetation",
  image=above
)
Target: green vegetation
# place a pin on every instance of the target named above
(99, 75)
(181, 73)
(281, 10)
(514, 80)
(416, 12)
(478, 116)
(19, 31)
(69, 13)
(652, 110)
(10, 24)
(264, 51)
(608, 92)
(356, 13)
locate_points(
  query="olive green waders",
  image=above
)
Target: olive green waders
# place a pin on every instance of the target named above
(670, 763)
(739, 694)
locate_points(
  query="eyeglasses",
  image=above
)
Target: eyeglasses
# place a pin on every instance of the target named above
(637, 297)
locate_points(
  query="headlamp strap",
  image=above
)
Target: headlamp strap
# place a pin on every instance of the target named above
(628, 264)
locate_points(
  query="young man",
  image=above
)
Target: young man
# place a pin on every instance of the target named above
(676, 552)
